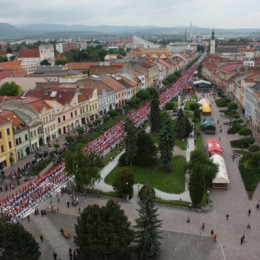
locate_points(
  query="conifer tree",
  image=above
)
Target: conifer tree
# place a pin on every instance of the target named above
(147, 235)
(166, 144)
(180, 127)
(155, 119)
(130, 141)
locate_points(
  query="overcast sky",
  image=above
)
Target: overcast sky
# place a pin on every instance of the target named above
(170, 13)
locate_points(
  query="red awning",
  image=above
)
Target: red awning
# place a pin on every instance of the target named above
(214, 146)
(189, 87)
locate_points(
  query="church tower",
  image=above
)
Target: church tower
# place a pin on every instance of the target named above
(212, 42)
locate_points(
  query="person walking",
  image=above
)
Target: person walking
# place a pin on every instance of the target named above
(212, 233)
(188, 220)
(203, 226)
(215, 237)
(62, 232)
(79, 210)
(28, 218)
(68, 203)
(249, 212)
(55, 256)
(248, 226)
(242, 239)
(41, 237)
(257, 206)
(227, 216)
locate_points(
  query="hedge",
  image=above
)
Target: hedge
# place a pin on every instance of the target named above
(242, 143)
(235, 128)
(254, 148)
(222, 102)
(245, 131)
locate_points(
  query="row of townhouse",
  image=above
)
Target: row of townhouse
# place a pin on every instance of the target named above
(56, 107)
(241, 83)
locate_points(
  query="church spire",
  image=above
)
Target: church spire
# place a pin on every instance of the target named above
(213, 34)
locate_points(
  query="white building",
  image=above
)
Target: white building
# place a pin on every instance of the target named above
(139, 42)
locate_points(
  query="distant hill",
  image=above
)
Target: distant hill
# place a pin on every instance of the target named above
(8, 31)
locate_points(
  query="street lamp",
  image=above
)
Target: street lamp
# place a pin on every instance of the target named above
(126, 193)
(207, 196)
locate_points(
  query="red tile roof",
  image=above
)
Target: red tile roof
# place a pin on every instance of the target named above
(39, 105)
(80, 65)
(3, 121)
(82, 98)
(113, 83)
(11, 65)
(14, 118)
(29, 53)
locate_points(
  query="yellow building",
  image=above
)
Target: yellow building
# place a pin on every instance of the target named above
(7, 147)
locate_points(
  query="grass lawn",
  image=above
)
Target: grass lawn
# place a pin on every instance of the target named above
(181, 144)
(250, 173)
(188, 103)
(172, 202)
(171, 182)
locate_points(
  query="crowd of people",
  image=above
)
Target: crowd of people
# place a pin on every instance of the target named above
(19, 203)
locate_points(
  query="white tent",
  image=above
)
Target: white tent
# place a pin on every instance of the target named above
(203, 100)
(221, 180)
(201, 82)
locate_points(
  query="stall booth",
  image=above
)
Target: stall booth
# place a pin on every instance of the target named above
(221, 180)
(214, 147)
(208, 125)
(206, 109)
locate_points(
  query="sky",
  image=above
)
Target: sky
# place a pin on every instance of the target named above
(162, 13)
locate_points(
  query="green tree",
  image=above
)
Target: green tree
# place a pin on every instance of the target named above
(69, 138)
(103, 233)
(155, 119)
(180, 127)
(10, 89)
(256, 158)
(169, 106)
(147, 225)
(142, 94)
(17, 243)
(80, 130)
(45, 62)
(209, 169)
(83, 166)
(123, 183)
(130, 141)
(188, 128)
(166, 144)
(196, 184)
(245, 131)
(146, 149)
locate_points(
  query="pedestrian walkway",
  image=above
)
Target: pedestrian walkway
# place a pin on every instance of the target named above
(53, 236)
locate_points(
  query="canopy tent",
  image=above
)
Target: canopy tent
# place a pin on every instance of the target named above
(189, 87)
(221, 180)
(201, 82)
(206, 109)
(208, 125)
(203, 100)
(214, 147)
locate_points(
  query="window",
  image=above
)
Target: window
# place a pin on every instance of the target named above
(26, 137)
(34, 132)
(10, 145)
(0, 134)
(64, 118)
(71, 114)
(8, 131)
(2, 148)
(58, 120)
(76, 112)
(31, 134)
(16, 141)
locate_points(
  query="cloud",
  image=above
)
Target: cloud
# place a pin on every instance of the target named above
(204, 13)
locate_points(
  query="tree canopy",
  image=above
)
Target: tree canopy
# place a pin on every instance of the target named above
(166, 144)
(17, 243)
(130, 141)
(10, 89)
(123, 183)
(183, 126)
(83, 166)
(155, 119)
(197, 184)
(103, 233)
(146, 149)
(147, 235)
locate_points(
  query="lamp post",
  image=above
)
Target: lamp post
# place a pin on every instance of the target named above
(207, 196)
(137, 190)
(126, 188)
